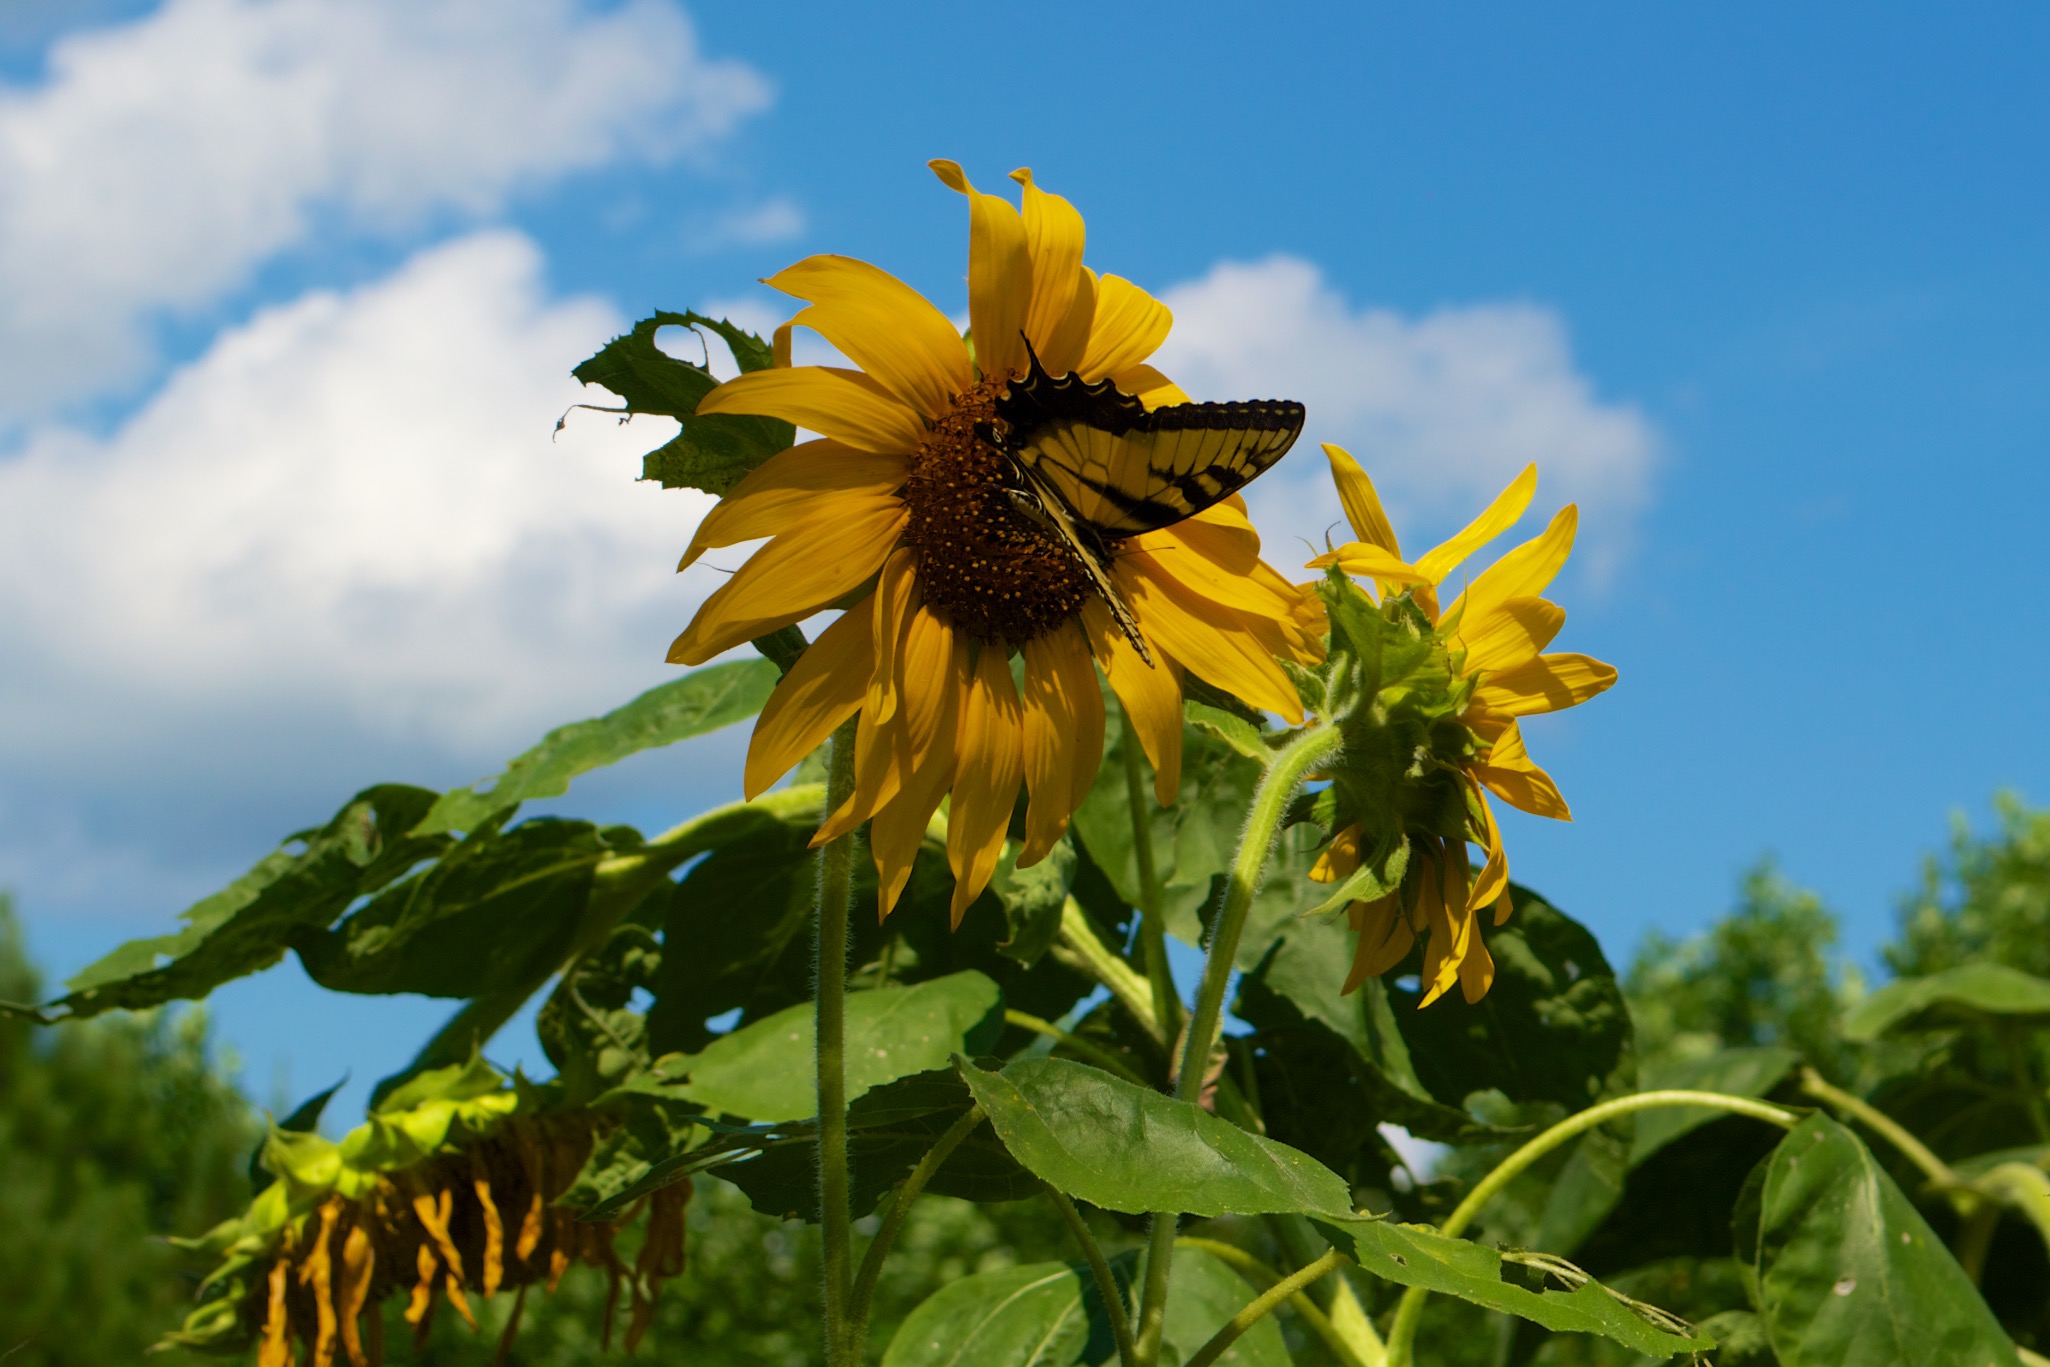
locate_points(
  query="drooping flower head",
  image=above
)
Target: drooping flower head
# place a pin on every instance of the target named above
(900, 514)
(1435, 698)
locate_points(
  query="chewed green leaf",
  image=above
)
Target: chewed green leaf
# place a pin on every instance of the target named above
(1127, 1148)
(1414, 1255)
(1848, 1271)
(712, 452)
(701, 701)
(1975, 990)
(764, 1071)
(247, 925)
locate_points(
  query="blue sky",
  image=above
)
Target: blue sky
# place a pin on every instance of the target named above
(294, 288)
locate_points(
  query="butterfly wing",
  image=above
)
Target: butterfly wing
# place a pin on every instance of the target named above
(1121, 470)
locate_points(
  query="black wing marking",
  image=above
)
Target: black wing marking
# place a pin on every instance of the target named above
(1120, 469)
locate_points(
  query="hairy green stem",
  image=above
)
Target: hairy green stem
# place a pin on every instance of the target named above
(1258, 1308)
(1099, 1268)
(1109, 1062)
(908, 1191)
(836, 1221)
(1402, 1334)
(1167, 1003)
(1299, 1301)
(1256, 843)
(1082, 949)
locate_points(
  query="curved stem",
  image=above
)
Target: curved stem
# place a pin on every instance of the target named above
(1402, 1334)
(1879, 1122)
(1082, 949)
(1256, 843)
(1099, 1268)
(1102, 1058)
(1257, 1309)
(836, 1221)
(886, 1235)
(1306, 1309)
(1167, 1003)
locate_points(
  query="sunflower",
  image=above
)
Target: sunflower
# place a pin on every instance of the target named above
(898, 514)
(1492, 638)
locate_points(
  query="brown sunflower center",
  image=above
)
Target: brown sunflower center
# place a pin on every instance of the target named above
(983, 565)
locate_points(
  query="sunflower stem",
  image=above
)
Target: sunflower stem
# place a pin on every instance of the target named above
(1256, 844)
(836, 1221)
(1167, 1003)
(1402, 1333)
(893, 1223)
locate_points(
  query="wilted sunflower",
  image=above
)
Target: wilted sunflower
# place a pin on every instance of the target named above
(1492, 638)
(902, 507)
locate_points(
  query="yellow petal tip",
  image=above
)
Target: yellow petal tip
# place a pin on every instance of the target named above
(951, 175)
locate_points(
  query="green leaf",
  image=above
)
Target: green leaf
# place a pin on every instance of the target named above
(1030, 1316)
(1848, 1272)
(1413, 1255)
(1324, 1050)
(1126, 1148)
(889, 1131)
(1032, 900)
(1554, 1026)
(497, 912)
(1206, 1293)
(701, 701)
(765, 1071)
(650, 1130)
(1229, 727)
(1734, 1072)
(247, 925)
(712, 452)
(1965, 994)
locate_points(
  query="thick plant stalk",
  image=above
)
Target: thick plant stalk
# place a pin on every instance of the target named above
(836, 1221)
(1248, 866)
(1402, 1334)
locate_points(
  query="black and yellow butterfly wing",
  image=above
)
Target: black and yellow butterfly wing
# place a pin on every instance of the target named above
(1093, 465)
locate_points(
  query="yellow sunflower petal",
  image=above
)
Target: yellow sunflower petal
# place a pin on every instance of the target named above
(896, 598)
(1151, 694)
(1509, 636)
(824, 688)
(1365, 560)
(808, 566)
(829, 400)
(999, 275)
(1550, 683)
(1187, 628)
(1509, 774)
(1498, 518)
(935, 665)
(1362, 505)
(1452, 927)
(1071, 336)
(1130, 325)
(1494, 879)
(1384, 939)
(1149, 387)
(1063, 736)
(1053, 236)
(1523, 572)
(989, 745)
(1339, 858)
(1476, 967)
(882, 325)
(787, 488)
(1199, 558)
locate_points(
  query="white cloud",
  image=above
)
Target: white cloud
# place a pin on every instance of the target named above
(163, 160)
(1442, 409)
(777, 219)
(347, 517)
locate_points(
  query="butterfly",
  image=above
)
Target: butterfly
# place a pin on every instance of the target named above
(1090, 465)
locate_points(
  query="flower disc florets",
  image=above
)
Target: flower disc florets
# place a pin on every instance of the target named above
(987, 570)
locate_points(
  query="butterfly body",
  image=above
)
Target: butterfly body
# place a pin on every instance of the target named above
(1093, 465)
